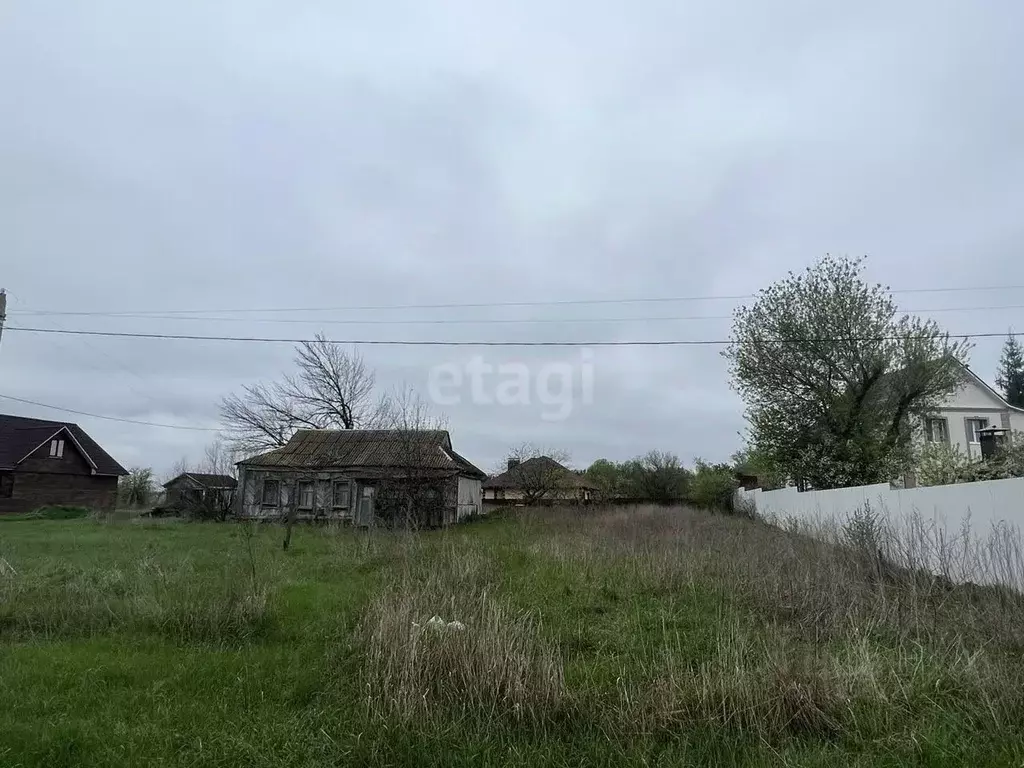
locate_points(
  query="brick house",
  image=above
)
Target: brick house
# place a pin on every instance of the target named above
(46, 463)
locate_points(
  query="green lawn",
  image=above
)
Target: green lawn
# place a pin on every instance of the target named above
(617, 638)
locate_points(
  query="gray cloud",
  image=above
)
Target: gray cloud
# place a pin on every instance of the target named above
(255, 154)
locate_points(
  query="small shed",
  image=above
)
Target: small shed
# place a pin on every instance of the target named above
(191, 491)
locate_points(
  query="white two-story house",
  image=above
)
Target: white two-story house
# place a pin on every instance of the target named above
(973, 407)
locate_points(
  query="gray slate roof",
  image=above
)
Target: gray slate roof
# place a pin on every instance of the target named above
(367, 449)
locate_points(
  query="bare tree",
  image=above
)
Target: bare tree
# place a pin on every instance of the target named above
(540, 475)
(419, 494)
(180, 467)
(218, 459)
(207, 503)
(331, 389)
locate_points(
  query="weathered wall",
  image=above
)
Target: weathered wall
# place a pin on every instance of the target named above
(32, 490)
(250, 494)
(469, 498)
(249, 504)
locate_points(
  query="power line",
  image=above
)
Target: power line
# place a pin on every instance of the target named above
(107, 418)
(501, 321)
(487, 304)
(435, 343)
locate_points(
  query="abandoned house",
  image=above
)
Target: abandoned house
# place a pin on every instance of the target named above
(539, 480)
(52, 463)
(393, 478)
(192, 491)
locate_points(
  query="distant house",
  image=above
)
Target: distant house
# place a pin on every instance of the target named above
(973, 407)
(195, 490)
(363, 477)
(48, 463)
(540, 480)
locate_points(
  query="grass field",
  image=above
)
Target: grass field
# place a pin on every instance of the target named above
(630, 637)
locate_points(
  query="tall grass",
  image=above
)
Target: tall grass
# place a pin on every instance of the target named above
(54, 598)
(633, 636)
(819, 637)
(482, 661)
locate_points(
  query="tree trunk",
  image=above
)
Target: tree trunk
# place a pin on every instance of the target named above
(290, 518)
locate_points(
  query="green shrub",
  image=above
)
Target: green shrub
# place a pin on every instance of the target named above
(939, 464)
(712, 486)
(59, 512)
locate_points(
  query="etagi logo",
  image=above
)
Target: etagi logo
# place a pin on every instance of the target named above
(561, 385)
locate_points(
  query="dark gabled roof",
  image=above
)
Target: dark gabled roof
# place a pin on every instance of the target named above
(20, 436)
(539, 465)
(206, 480)
(367, 449)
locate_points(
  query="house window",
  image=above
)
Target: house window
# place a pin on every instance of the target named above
(974, 427)
(937, 431)
(271, 492)
(6, 485)
(341, 494)
(307, 494)
(56, 449)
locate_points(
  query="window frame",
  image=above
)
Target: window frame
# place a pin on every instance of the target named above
(301, 488)
(56, 448)
(6, 485)
(976, 424)
(276, 484)
(930, 433)
(335, 487)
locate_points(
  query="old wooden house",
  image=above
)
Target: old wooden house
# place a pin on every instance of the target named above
(192, 492)
(397, 478)
(53, 463)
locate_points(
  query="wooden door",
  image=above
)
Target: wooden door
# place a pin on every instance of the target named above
(364, 512)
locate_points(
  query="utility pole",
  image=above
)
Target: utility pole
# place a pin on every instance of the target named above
(3, 311)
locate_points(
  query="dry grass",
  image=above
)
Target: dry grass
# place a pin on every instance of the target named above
(489, 662)
(797, 636)
(608, 637)
(825, 582)
(53, 598)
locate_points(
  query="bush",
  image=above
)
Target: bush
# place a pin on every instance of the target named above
(712, 486)
(136, 488)
(942, 465)
(939, 464)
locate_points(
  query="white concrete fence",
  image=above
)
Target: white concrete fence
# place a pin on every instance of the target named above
(968, 532)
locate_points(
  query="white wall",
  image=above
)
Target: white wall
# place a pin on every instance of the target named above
(970, 395)
(973, 401)
(1017, 421)
(993, 512)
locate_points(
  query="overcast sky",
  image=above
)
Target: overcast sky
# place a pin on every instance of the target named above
(232, 155)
